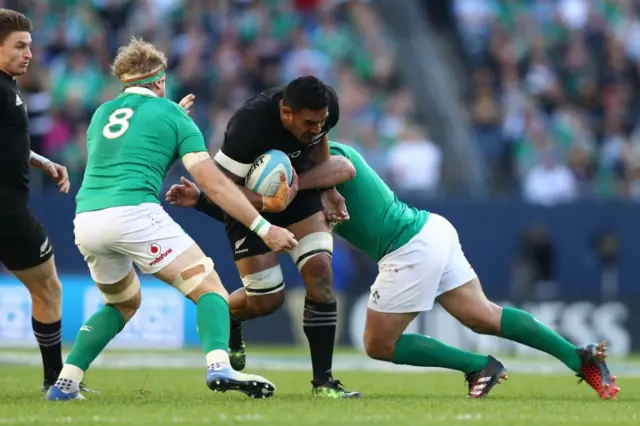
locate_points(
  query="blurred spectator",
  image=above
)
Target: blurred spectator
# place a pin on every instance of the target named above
(560, 77)
(223, 52)
(414, 163)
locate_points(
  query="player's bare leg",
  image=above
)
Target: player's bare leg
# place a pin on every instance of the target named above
(471, 307)
(313, 259)
(384, 340)
(193, 274)
(46, 292)
(262, 294)
(122, 302)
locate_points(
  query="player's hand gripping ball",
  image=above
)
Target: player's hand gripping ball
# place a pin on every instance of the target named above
(273, 177)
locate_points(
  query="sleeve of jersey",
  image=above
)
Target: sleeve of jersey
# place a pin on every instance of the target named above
(242, 144)
(337, 152)
(190, 137)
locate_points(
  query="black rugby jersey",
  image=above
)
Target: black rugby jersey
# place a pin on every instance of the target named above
(256, 128)
(15, 149)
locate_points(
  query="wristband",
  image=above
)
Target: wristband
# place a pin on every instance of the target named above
(260, 226)
(42, 160)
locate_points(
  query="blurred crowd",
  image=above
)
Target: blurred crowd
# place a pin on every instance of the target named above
(224, 51)
(554, 94)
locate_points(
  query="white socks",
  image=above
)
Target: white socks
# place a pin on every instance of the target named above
(217, 358)
(70, 378)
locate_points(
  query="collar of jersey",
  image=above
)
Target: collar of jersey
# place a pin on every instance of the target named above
(140, 91)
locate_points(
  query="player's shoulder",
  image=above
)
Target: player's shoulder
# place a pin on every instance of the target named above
(6, 83)
(255, 114)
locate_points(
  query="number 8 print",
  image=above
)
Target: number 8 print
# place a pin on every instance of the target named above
(120, 117)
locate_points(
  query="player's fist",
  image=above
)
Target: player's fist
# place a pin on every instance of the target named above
(185, 195)
(335, 208)
(59, 174)
(279, 239)
(187, 102)
(283, 197)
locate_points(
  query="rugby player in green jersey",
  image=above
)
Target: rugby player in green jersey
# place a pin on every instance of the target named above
(132, 141)
(421, 261)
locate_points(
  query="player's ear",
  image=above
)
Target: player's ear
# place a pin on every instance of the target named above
(287, 112)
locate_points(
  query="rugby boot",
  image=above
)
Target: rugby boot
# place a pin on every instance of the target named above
(222, 378)
(237, 351)
(47, 384)
(62, 390)
(481, 382)
(333, 389)
(595, 372)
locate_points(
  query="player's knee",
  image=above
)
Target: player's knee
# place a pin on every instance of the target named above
(266, 304)
(264, 283)
(126, 299)
(199, 278)
(313, 256)
(378, 346)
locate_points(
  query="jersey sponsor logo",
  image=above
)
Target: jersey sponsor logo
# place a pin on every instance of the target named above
(375, 296)
(45, 248)
(155, 250)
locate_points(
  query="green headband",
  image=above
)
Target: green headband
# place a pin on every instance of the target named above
(150, 79)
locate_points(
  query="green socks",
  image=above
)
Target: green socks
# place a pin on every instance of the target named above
(516, 325)
(423, 351)
(213, 322)
(94, 336)
(105, 324)
(522, 327)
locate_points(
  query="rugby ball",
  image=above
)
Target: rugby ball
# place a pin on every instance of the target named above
(264, 174)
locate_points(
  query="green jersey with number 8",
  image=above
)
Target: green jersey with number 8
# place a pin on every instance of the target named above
(132, 141)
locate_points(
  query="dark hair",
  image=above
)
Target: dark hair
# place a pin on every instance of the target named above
(306, 93)
(12, 21)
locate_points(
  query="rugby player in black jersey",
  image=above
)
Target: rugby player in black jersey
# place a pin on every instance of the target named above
(25, 249)
(295, 119)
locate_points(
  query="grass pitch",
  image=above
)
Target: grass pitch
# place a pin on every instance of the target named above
(180, 396)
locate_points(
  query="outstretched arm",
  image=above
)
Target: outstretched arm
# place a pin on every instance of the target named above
(54, 170)
(334, 171)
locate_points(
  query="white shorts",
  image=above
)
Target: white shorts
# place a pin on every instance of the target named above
(112, 239)
(430, 264)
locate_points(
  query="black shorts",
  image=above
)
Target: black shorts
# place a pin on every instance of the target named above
(24, 242)
(245, 243)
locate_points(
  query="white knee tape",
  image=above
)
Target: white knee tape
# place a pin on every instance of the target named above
(124, 295)
(264, 282)
(310, 246)
(193, 275)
